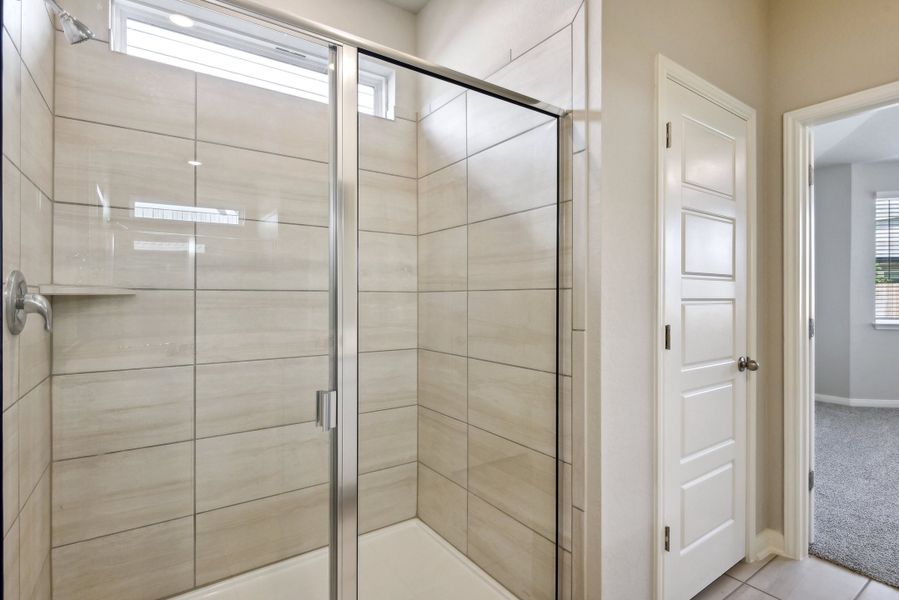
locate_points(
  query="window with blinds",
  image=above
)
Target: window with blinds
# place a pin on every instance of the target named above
(886, 260)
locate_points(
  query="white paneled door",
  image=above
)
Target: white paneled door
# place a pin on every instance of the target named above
(704, 392)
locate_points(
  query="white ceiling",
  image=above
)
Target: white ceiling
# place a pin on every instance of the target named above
(413, 6)
(869, 137)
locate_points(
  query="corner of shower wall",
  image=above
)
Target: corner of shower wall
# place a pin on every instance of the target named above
(28, 104)
(472, 410)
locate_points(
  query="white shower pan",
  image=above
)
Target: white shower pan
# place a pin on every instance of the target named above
(406, 561)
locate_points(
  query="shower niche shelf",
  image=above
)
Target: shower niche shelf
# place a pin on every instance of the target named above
(84, 290)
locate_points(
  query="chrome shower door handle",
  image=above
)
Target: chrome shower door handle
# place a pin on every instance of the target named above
(745, 363)
(326, 409)
(19, 303)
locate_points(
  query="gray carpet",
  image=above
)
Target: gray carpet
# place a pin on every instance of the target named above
(857, 489)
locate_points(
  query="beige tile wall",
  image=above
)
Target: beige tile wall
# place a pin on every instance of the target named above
(27, 203)
(388, 322)
(184, 441)
(488, 223)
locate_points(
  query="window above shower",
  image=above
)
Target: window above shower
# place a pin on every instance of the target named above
(188, 36)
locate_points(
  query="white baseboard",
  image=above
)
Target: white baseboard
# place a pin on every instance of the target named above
(861, 402)
(767, 542)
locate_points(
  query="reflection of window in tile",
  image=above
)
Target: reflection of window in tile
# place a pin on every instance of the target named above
(191, 214)
(147, 32)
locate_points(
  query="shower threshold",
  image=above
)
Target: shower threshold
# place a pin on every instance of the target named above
(406, 561)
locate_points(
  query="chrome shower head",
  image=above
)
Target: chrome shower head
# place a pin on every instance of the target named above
(74, 30)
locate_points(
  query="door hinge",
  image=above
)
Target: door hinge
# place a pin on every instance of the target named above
(811, 480)
(811, 175)
(668, 134)
(667, 337)
(811, 328)
(667, 539)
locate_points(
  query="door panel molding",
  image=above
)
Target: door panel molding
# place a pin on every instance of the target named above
(669, 71)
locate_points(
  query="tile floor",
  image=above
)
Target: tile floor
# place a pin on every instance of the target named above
(783, 579)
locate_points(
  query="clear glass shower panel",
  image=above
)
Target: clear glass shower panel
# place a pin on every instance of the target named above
(180, 229)
(459, 303)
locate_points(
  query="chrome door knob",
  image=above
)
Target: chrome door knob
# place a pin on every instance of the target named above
(745, 363)
(19, 304)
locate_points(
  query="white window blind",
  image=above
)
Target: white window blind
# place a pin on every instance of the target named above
(886, 260)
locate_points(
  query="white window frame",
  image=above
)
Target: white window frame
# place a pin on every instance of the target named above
(883, 323)
(272, 47)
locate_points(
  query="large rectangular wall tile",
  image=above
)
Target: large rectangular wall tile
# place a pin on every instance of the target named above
(34, 353)
(95, 413)
(102, 333)
(514, 176)
(441, 383)
(442, 262)
(244, 466)
(12, 211)
(246, 116)
(492, 121)
(34, 438)
(387, 262)
(519, 481)
(262, 186)
(387, 321)
(387, 496)
(441, 136)
(10, 467)
(11, 562)
(515, 403)
(94, 84)
(242, 396)
(514, 327)
(442, 504)
(244, 325)
(387, 379)
(128, 564)
(519, 558)
(37, 45)
(34, 537)
(514, 252)
(261, 255)
(443, 198)
(238, 538)
(543, 72)
(37, 136)
(441, 321)
(97, 246)
(387, 438)
(442, 445)
(99, 164)
(387, 146)
(387, 203)
(105, 494)
(12, 99)
(37, 240)
(579, 242)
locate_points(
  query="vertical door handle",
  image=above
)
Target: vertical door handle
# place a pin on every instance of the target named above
(326, 409)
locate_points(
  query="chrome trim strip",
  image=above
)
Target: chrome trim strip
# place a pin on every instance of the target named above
(346, 75)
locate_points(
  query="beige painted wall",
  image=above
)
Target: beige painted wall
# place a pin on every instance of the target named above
(725, 43)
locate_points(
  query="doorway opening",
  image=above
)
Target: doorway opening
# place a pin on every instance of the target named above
(841, 303)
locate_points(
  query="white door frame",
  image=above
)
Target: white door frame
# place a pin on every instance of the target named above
(666, 69)
(797, 210)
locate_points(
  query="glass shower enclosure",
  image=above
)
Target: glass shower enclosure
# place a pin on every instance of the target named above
(306, 309)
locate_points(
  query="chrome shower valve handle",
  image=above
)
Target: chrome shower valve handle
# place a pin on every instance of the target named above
(19, 303)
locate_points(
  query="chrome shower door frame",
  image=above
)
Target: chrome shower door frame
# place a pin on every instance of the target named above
(345, 52)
